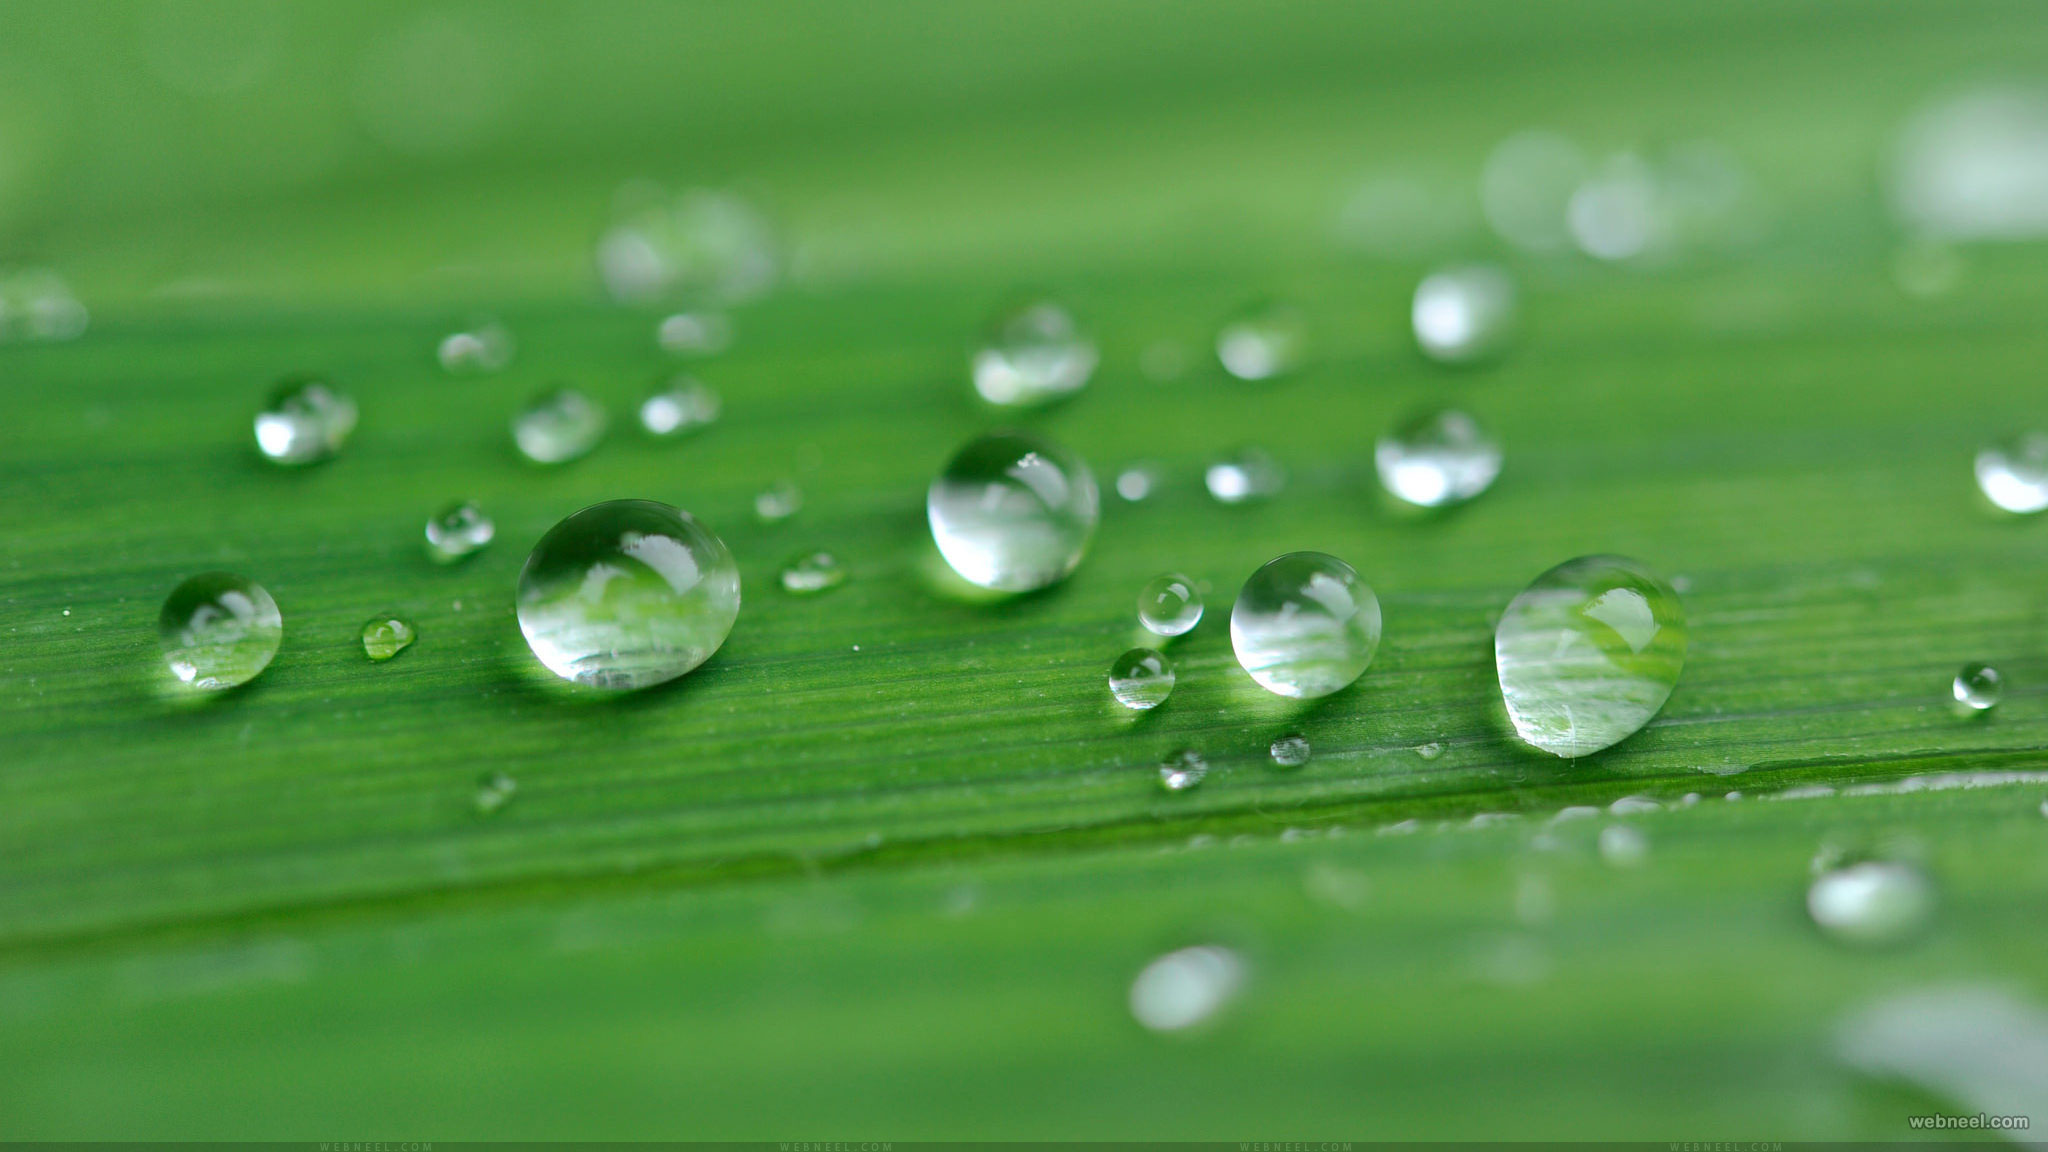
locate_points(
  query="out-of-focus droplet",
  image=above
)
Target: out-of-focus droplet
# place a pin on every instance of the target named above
(558, 426)
(700, 244)
(1873, 902)
(778, 502)
(1437, 458)
(680, 407)
(485, 346)
(1526, 190)
(1463, 314)
(1974, 166)
(305, 420)
(1136, 482)
(1182, 989)
(1263, 340)
(1624, 845)
(699, 333)
(1182, 770)
(813, 572)
(1244, 476)
(2013, 473)
(37, 303)
(1033, 355)
(493, 792)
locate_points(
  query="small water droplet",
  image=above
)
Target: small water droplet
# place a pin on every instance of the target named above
(483, 347)
(1978, 687)
(1437, 458)
(1181, 989)
(680, 407)
(1588, 653)
(1033, 355)
(1246, 475)
(2013, 474)
(1429, 751)
(558, 426)
(1136, 482)
(627, 594)
(1623, 846)
(813, 572)
(778, 502)
(1463, 314)
(1290, 751)
(461, 529)
(1182, 770)
(1013, 512)
(219, 630)
(386, 636)
(1264, 340)
(304, 420)
(1170, 605)
(494, 791)
(1526, 190)
(694, 333)
(700, 243)
(1141, 679)
(1305, 625)
(1872, 902)
(37, 304)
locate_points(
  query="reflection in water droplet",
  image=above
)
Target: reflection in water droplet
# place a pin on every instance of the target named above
(219, 630)
(1290, 751)
(1978, 687)
(1182, 770)
(1033, 355)
(778, 502)
(1437, 458)
(1170, 605)
(1141, 679)
(1246, 475)
(304, 420)
(2013, 473)
(813, 572)
(1013, 512)
(461, 529)
(1872, 902)
(1182, 989)
(694, 333)
(558, 427)
(1264, 340)
(1305, 625)
(386, 636)
(1463, 314)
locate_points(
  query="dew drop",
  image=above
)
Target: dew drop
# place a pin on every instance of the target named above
(813, 572)
(219, 630)
(1136, 482)
(1033, 355)
(1429, 751)
(461, 529)
(493, 792)
(2013, 474)
(694, 333)
(1182, 989)
(1872, 902)
(627, 594)
(304, 420)
(1978, 687)
(1141, 679)
(1437, 458)
(1013, 512)
(1182, 770)
(1305, 625)
(558, 427)
(680, 407)
(1262, 341)
(386, 636)
(1170, 605)
(481, 348)
(1249, 474)
(1588, 653)
(1463, 314)
(1623, 846)
(1290, 751)
(778, 502)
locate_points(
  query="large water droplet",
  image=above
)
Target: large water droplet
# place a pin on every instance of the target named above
(1184, 988)
(1588, 653)
(1262, 341)
(1033, 355)
(813, 572)
(305, 419)
(1013, 512)
(699, 244)
(219, 630)
(1246, 475)
(1463, 314)
(1182, 770)
(1170, 605)
(461, 529)
(1305, 625)
(1141, 679)
(1437, 458)
(2013, 474)
(1871, 902)
(1290, 751)
(627, 594)
(385, 636)
(1979, 687)
(680, 407)
(558, 427)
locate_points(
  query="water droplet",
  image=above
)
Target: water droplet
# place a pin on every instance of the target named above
(2013, 473)
(461, 529)
(1429, 751)
(1614, 215)
(36, 304)
(1182, 770)
(1136, 482)
(1033, 355)
(1013, 512)
(219, 630)
(386, 636)
(700, 243)
(1182, 989)
(1526, 190)
(1588, 653)
(304, 420)
(1463, 314)
(1974, 166)
(1305, 625)
(1141, 679)
(558, 426)
(694, 333)
(778, 502)
(1871, 902)
(1623, 846)
(1978, 687)
(627, 594)
(813, 572)
(1437, 458)
(1170, 605)
(484, 347)
(682, 406)
(1262, 341)
(1246, 475)
(494, 791)
(1290, 751)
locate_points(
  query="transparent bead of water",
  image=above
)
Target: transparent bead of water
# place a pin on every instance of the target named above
(1013, 511)
(1290, 751)
(1463, 314)
(813, 572)
(1136, 482)
(494, 791)
(1437, 458)
(305, 419)
(483, 347)
(778, 502)
(694, 333)
(2013, 474)
(1182, 989)
(461, 529)
(219, 630)
(386, 636)
(680, 407)
(1305, 625)
(1245, 475)
(558, 427)
(1588, 653)
(1170, 605)
(1141, 679)
(1033, 355)
(1262, 341)
(1871, 902)
(627, 594)
(1182, 770)
(1978, 687)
